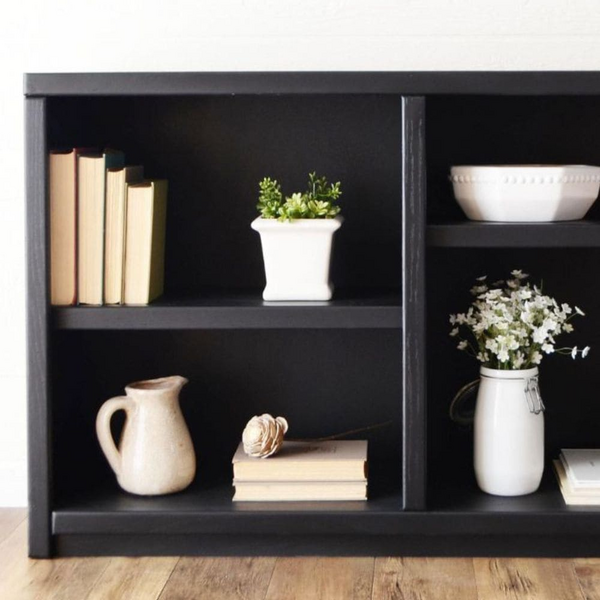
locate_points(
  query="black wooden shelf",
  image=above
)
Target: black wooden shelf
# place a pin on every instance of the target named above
(208, 508)
(457, 515)
(469, 234)
(382, 352)
(240, 310)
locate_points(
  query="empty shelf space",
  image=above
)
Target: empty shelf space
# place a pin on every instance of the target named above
(240, 310)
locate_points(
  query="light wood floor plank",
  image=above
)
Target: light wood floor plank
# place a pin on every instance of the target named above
(22, 578)
(519, 578)
(10, 519)
(587, 571)
(133, 578)
(219, 579)
(424, 578)
(322, 579)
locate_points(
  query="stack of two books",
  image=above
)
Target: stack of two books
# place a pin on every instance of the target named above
(578, 474)
(303, 471)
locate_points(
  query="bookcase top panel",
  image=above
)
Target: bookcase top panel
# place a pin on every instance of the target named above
(304, 82)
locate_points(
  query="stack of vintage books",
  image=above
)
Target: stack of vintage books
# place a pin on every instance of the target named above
(578, 474)
(107, 229)
(303, 471)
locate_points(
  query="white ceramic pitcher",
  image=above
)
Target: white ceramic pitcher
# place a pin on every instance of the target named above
(155, 454)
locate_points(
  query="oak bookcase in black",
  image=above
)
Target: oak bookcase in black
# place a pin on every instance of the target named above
(379, 352)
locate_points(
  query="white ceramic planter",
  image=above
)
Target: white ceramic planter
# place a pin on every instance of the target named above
(508, 433)
(297, 256)
(525, 193)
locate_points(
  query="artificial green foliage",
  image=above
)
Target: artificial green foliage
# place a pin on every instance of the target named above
(318, 202)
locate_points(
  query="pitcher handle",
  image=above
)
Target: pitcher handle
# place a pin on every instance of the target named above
(107, 443)
(464, 418)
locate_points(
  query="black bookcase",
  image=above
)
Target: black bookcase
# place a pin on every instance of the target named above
(404, 259)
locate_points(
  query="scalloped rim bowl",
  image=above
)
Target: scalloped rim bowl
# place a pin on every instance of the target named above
(525, 193)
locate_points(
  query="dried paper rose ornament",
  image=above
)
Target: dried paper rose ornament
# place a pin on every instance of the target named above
(263, 435)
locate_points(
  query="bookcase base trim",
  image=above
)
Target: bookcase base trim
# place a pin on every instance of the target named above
(327, 545)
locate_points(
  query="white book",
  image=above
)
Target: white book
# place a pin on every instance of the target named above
(583, 497)
(332, 460)
(304, 491)
(582, 467)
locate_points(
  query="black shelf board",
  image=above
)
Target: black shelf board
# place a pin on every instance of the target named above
(471, 234)
(240, 310)
(387, 82)
(208, 508)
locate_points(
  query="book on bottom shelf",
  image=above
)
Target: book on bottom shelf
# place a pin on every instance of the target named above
(298, 491)
(332, 460)
(303, 471)
(575, 471)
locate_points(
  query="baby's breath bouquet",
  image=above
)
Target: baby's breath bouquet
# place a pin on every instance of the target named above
(511, 324)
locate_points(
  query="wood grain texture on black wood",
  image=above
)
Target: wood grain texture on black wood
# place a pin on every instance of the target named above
(413, 301)
(40, 482)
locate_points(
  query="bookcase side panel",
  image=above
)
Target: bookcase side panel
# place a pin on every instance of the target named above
(413, 302)
(39, 454)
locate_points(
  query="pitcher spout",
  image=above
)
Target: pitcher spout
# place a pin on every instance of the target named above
(173, 383)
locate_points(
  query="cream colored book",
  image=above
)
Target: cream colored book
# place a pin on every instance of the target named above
(145, 241)
(583, 497)
(117, 182)
(305, 491)
(91, 189)
(336, 460)
(63, 227)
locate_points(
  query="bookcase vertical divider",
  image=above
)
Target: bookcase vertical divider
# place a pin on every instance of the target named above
(414, 477)
(37, 245)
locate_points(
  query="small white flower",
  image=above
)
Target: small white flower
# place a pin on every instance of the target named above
(503, 355)
(548, 348)
(454, 332)
(518, 274)
(479, 289)
(483, 357)
(585, 352)
(462, 345)
(452, 319)
(491, 345)
(539, 335)
(568, 328)
(536, 358)
(482, 278)
(579, 311)
(566, 309)
(518, 360)
(574, 352)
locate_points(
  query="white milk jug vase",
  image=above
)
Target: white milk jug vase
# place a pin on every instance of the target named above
(155, 455)
(509, 432)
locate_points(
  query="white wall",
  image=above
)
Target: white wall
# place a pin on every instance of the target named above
(197, 35)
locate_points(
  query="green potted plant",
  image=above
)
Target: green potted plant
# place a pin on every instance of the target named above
(296, 233)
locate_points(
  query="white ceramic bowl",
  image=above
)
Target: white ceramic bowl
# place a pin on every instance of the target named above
(525, 193)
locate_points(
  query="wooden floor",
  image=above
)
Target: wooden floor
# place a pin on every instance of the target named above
(284, 578)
